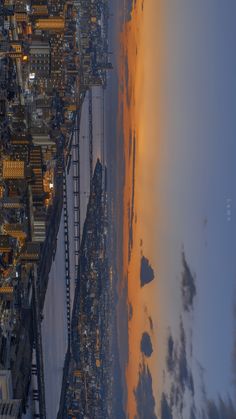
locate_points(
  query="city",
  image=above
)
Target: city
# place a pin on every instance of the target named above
(51, 54)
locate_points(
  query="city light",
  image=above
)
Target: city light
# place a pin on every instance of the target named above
(47, 63)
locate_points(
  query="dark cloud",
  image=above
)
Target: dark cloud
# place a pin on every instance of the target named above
(188, 285)
(183, 373)
(182, 386)
(129, 7)
(213, 409)
(150, 323)
(234, 348)
(144, 394)
(166, 411)
(130, 311)
(123, 316)
(185, 377)
(146, 345)
(176, 398)
(170, 359)
(131, 207)
(220, 409)
(193, 413)
(146, 272)
(177, 363)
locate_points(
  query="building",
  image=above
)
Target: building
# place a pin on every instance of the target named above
(39, 10)
(6, 11)
(14, 54)
(43, 102)
(11, 202)
(36, 162)
(30, 252)
(2, 107)
(13, 169)
(21, 16)
(57, 62)
(5, 246)
(39, 229)
(16, 46)
(42, 140)
(6, 290)
(15, 230)
(5, 384)
(39, 59)
(51, 24)
(20, 146)
(9, 408)
(20, 140)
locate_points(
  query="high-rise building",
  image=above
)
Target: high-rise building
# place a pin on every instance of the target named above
(9, 408)
(5, 246)
(20, 140)
(15, 230)
(11, 202)
(5, 384)
(41, 140)
(30, 252)
(39, 229)
(51, 24)
(6, 11)
(13, 169)
(36, 161)
(6, 290)
(39, 10)
(21, 16)
(39, 59)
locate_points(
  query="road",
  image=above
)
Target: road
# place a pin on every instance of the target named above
(18, 60)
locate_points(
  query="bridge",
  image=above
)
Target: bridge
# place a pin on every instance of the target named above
(38, 345)
(65, 166)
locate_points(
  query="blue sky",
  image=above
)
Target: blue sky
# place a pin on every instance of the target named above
(184, 119)
(201, 102)
(198, 178)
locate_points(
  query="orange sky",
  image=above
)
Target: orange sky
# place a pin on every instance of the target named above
(176, 75)
(143, 115)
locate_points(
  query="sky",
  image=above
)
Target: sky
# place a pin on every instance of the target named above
(177, 105)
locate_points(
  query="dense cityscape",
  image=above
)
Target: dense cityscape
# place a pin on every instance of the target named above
(51, 54)
(89, 387)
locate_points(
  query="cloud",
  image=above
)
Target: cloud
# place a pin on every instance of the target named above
(166, 411)
(130, 310)
(144, 394)
(234, 348)
(146, 345)
(188, 285)
(183, 373)
(131, 213)
(177, 363)
(213, 409)
(170, 359)
(179, 400)
(220, 409)
(146, 272)
(193, 413)
(150, 323)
